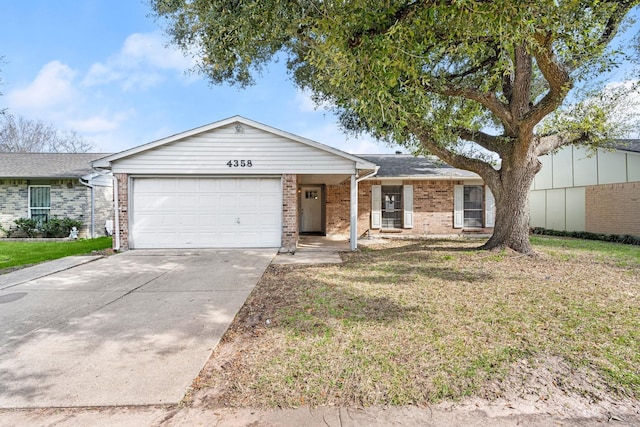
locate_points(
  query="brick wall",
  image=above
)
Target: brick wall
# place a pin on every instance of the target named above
(123, 209)
(289, 212)
(613, 208)
(69, 199)
(13, 201)
(432, 209)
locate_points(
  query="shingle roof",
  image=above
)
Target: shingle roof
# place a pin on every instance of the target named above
(407, 165)
(632, 145)
(46, 165)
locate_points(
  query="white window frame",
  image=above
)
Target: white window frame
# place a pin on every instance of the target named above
(406, 192)
(488, 218)
(30, 208)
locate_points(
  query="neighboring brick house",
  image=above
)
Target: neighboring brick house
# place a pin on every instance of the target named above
(597, 192)
(46, 185)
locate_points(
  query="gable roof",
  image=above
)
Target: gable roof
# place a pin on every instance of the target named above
(409, 166)
(47, 165)
(106, 162)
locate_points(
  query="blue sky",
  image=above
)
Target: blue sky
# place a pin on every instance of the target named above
(101, 68)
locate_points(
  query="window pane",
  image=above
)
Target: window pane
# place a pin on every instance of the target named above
(473, 218)
(391, 206)
(473, 197)
(40, 197)
(40, 215)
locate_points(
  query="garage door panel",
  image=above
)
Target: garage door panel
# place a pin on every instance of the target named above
(206, 212)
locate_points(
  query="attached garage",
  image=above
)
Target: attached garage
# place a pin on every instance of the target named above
(171, 212)
(231, 184)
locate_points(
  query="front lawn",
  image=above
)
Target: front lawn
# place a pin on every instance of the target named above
(417, 322)
(22, 253)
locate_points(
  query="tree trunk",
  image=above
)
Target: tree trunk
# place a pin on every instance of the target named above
(511, 194)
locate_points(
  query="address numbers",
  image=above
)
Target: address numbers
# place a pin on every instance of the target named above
(240, 163)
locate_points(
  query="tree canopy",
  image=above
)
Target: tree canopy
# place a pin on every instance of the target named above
(466, 80)
(22, 135)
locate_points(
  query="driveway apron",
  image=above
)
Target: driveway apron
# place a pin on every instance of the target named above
(131, 329)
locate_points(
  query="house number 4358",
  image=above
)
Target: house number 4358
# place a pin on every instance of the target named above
(240, 163)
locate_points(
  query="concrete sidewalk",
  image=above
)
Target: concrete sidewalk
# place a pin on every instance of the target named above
(43, 269)
(436, 416)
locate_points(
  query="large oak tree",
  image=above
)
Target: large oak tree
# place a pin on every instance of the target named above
(467, 80)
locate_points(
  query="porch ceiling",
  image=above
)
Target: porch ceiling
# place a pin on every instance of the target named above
(322, 179)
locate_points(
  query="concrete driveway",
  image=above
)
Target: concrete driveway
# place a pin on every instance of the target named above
(131, 329)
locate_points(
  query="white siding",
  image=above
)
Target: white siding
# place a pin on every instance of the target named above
(569, 172)
(538, 209)
(556, 209)
(208, 154)
(612, 167)
(562, 172)
(575, 209)
(585, 167)
(633, 167)
(544, 178)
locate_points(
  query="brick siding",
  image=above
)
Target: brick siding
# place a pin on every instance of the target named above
(289, 212)
(613, 208)
(69, 199)
(123, 210)
(432, 209)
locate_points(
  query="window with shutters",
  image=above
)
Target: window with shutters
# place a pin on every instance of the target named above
(392, 206)
(40, 203)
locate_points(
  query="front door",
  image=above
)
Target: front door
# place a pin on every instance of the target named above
(311, 209)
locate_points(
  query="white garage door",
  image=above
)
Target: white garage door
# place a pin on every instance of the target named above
(206, 213)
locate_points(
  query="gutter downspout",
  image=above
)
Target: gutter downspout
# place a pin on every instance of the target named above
(116, 213)
(353, 229)
(93, 207)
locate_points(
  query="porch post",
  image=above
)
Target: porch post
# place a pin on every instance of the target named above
(353, 226)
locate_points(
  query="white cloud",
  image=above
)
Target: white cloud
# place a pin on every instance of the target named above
(141, 63)
(53, 87)
(102, 122)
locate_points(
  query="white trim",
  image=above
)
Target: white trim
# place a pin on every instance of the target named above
(353, 215)
(458, 206)
(407, 206)
(105, 162)
(29, 199)
(489, 208)
(376, 207)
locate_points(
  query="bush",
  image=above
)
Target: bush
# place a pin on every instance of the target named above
(59, 227)
(28, 226)
(615, 238)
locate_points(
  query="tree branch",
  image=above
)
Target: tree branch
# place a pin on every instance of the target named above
(482, 168)
(489, 142)
(488, 100)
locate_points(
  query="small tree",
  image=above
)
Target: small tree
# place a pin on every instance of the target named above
(22, 135)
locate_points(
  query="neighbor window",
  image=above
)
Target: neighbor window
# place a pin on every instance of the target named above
(473, 206)
(39, 203)
(392, 206)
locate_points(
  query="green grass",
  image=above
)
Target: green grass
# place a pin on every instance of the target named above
(416, 322)
(23, 253)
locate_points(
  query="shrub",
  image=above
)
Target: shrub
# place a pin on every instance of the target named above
(59, 227)
(28, 226)
(615, 238)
